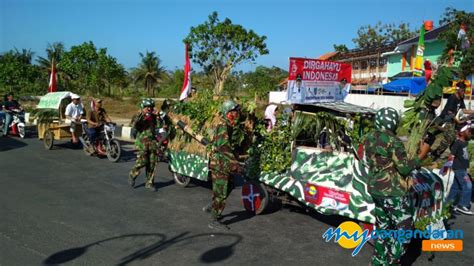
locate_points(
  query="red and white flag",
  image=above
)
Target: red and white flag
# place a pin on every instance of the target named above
(187, 78)
(52, 79)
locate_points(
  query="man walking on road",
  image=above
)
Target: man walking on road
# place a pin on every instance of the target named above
(147, 153)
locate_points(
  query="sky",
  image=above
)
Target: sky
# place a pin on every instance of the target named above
(126, 27)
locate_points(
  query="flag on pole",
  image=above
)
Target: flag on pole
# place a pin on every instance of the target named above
(419, 52)
(52, 79)
(187, 78)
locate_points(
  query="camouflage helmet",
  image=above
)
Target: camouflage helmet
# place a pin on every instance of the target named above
(147, 102)
(387, 118)
(228, 106)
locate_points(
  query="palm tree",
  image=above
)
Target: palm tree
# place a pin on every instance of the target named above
(54, 52)
(149, 71)
(24, 55)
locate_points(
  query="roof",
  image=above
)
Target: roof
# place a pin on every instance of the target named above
(327, 56)
(430, 36)
(340, 107)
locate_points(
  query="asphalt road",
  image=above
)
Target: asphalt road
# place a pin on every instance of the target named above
(61, 206)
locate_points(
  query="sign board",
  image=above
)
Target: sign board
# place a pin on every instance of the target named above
(316, 81)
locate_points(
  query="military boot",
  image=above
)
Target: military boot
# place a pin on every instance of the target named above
(150, 187)
(131, 180)
(217, 224)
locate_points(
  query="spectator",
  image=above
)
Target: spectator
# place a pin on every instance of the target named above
(462, 185)
(270, 116)
(8, 106)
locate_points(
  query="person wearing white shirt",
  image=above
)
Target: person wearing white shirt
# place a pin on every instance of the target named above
(297, 92)
(74, 113)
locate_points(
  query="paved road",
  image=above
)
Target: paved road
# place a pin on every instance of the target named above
(61, 206)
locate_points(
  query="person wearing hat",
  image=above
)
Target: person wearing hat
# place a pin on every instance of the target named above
(222, 162)
(74, 113)
(453, 105)
(95, 122)
(297, 93)
(388, 168)
(459, 162)
(146, 145)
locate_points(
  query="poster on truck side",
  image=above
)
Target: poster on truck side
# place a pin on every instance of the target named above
(316, 81)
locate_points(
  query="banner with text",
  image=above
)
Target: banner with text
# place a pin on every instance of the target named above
(315, 81)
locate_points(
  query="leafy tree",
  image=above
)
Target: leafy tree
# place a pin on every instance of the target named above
(91, 69)
(464, 58)
(17, 74)
(219, 46)
(149, 72)
(263, 80)
(342, 48)
(377, 35)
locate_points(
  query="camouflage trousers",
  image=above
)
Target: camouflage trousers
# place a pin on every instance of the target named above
(446, 137)
(222, 185)
(391, 214)
(147, 156)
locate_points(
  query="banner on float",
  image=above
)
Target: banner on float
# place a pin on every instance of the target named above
(315, 81)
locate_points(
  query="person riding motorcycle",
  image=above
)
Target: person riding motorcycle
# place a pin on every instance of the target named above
(8, 106)
(95, 122)
(147, 154)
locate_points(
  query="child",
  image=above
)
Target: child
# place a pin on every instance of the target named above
(460, 163)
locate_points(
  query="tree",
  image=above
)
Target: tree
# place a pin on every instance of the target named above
(341, 48)
(54, 52)
(464, 58)
(219, 46)
(149, 72)
(263, 80)
(377, 35)
(17, 74)
(92, 69)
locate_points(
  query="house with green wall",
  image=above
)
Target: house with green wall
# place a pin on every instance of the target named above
(402, 58)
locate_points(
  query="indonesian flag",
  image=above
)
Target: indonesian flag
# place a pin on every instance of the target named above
(187, 78)
(419, 53)
(52, 79)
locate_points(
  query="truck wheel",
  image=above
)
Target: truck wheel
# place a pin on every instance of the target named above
(254, 197)
(181, 180)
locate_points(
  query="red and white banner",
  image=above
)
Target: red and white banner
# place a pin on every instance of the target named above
(186, 89)
(313, 80)
(52, 79)
(327, 197)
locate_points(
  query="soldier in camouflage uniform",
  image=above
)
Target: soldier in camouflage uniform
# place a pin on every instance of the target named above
(389, 167)
(145, 125)
(222, 162)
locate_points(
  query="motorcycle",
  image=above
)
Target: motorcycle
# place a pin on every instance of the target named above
(17, 126)
(106, 139)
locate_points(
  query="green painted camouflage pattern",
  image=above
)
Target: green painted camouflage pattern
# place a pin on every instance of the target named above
(392, 214)
(187, 164)
(343, 172)
(388, 162)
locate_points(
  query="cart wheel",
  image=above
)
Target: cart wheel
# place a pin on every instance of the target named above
(254, 197)
(181, 180)
(113, 153)
(48, 139)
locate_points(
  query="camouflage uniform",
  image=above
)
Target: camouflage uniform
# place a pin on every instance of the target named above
(220, 166)
(388, 166)
(146, 145)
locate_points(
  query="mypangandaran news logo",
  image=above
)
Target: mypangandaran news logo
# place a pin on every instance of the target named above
(349, 235)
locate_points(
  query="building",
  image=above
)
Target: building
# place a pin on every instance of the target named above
(402, 58)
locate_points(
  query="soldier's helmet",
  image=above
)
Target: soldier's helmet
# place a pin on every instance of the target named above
(228, 106)
(387, 118)
(147, 102)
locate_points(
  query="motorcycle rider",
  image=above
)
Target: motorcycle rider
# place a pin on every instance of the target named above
(9, 105)
(147, 154)
(95, 122)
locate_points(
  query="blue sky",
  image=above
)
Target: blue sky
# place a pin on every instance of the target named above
(127, 27)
